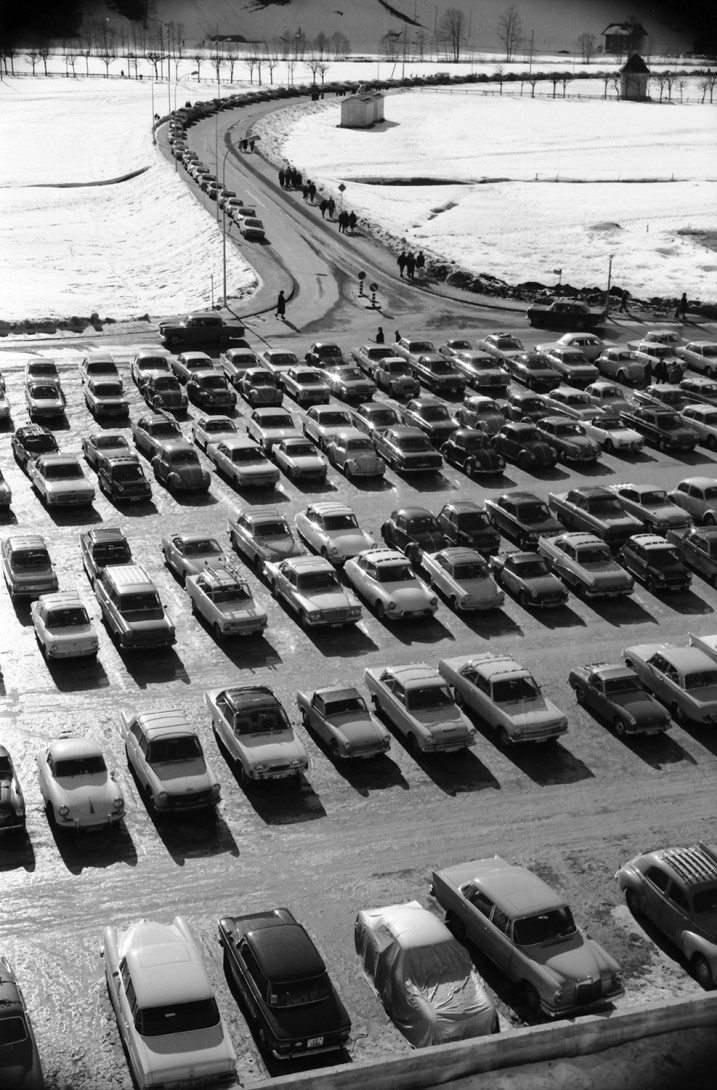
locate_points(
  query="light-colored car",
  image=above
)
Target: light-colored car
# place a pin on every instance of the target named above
(332, 529)
(225, 600)
(653, 506)
(423, 976)
(528, 931)
(354, 453)
(106, 397)
(165, 1008)
(589, 344)
(278, 359)
(698, 497)
(150, 361)
(188, 553)
(323, 422)
(104, 444)
(505, 696)
(251, 228)
(41, 368)
(676, 890)
(262, 534)
(187, 364)
(703, 418)
(419, 703)
(683, 678)
(349, 383)
(481, 412)
(78, 790)
(20, 1065)
(653, 352)
(570, 363)
(62, 627)
(612, 435)
(5, 492)
(622, 364)
(300, 460)
(44, 398)
(268, 426)
(394, 375)
(585, 565)
(480, 370)
(608, 396)
(700, 389)
(26, 566)
(212, 429)
(385, 579)
(165, 753)
(575, 403)
(60, 482)
(699, 356)
(235, 362)
(669, 337)
(256, 733)
(463, 576)
(12, 800)
(132, 609)
(243, 463)
(501, 345)
(306, 386)
(368, 356)
(339, 717)
(101, 546)
(4, 403)
(309, 586)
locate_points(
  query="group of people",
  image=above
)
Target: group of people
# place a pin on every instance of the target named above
(291, 178)
(661, 373)
(680, 309)
(410, 263)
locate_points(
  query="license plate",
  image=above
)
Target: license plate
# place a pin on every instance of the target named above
(278, 775)
(314, 1042)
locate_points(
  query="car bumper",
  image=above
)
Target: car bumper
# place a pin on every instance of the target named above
(89, 823)
(85, 651)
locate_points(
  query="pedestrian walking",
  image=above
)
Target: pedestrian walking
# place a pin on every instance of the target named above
(401, 262)
(660, 371)
(252, 143)
(280, 306)
(281, 178)
(675, 373)
(420, 261)
(353, 220)
(379, 335)
(331, 207)
(410, 265)
(397, 337)
(647, 373)
(623, 301)
(244, 144)
(304, 191)
(681, 311)
(312, 192)
(298, 179)
(322, 208)
(343, 222)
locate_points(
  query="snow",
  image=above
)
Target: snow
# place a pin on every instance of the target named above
(538, 184)
(120, 248)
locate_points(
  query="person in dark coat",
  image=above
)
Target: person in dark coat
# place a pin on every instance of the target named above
(681, 311)
(312, 192)
(675, 375)
(623, 301)
(331, 207)
(397, 337)
(410, 265)
(420, 261)
(401, 262)
(280, 306)
(322, 208)
(379, 335)
(660, 371)
(353, 219)
(647, 373)
(281, 178)
(304, 191)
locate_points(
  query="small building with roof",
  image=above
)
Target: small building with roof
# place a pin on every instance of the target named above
(634, 79)
(362, 109)
(624, 38)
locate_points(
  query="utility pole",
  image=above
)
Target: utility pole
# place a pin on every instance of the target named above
(532, 39)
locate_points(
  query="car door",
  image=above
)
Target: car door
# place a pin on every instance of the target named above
(654, 890)
(397, 704)
(317, 717)
(487, 938)
(658, 670)
(673, 911)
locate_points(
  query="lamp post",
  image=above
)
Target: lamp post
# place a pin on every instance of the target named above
(224, 227)
(609, 281)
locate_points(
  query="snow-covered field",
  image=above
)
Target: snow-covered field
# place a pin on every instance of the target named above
(537, 184)
(144, 244)
(123, 249)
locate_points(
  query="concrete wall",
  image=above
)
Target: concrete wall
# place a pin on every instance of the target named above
(428, 1067)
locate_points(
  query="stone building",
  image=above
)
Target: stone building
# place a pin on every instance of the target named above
(634, 78)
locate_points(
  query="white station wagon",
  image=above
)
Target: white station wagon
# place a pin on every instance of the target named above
(63, 627)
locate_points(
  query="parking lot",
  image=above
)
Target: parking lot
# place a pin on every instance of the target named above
(348, 836)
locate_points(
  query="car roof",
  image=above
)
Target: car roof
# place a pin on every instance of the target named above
(609, 670)
(330, 507)
(491, 665)
(694, 865)
(522, 497)
(417, 675)
(458, 553)
(412, 512)
(557, 419)
(514, 889)
(62, 598)
(285, 952)
(412, 926)
(103, 535)
(26, 541)
(700, 482)
(383, 556)
(308, 563)
(651, 541)
(579, 537)
(164, 967)
(165, 721)
(64, 748)
(460, 506)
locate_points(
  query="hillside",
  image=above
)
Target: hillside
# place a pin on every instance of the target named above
(552, 25)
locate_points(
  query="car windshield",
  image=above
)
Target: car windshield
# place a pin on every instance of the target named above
(109, 442)
(422, 524)
(532, 930)
(153, 363)
(513, 690)
(276, 420)
(214, 382)
(477, 441)
(421, 346)
(605, 505)
(40, 444)
(299, 449)
(530, 568)
(614, 685)
(89, 765)
(333, 420)
(283, 359)
(167, 750)
(533, 512)
(268, 719)
(356, 445)
(31, 558)
(112, 554)
(610, 423)
(473, 570)
(435, 412)
(507, 343)
(339, 522)
(382, 418)
(568, 429)
(441, 367)
(238, 592)
(658, 351)
(42, 369)
(271, 529)
(144, 604)
(350, 374)
(166, 382)
(128, 471)
(395, 573)
(198, 365)
(164, 429)
(655, 498)
(594, 554)
(307, 378)
(243, 455)
(479, 363)
(299, 993)
(183, 458)
(12, 1032)
(69, 617)
(610, 393)
(62, 470)
(701, 679)
(316, 581)
(340, 706)
(212, 427)
(413, 443)
(396, 367)
(327, 351)
(179, 1018)
(45, 392)
(207, 546)
(434, 696)
(528, 435)
(108, 389)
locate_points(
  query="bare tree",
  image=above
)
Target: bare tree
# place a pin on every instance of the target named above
(43, 54)
(420, 44)
(198, 58)
(9, 53)
(230, 59)
(154, 59)
(510, 31)
(260, 61)
(217, 61)
(321, 44)
(587, 46)
(322, 68)
(615, 82)
(708, 85)
(250, 61)
(452, 30)
(271, 60)
(389, 42)
(565, 79)
(340, 46)
(70, 58)
(313, 63)
(32, 57)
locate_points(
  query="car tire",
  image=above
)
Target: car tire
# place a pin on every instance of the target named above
(650, 584)
(413, 554)
(452, 602)
(621, 376)
(580, 695)
(503, 738)
(710, 519)
(305, 717)
(262, 1040)
(412, 745)
(455, 926)
(217, 632)
(618, 725)
(677, 714)
(662, 446)
(523, 599)
(303, 619)
(531, 998)
(709, 373)
(609, 446)
(173, 339)
(380, 611)
(702, 971)
(633, 902)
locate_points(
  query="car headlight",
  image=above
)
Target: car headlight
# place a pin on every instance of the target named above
(216, 790)
(433, 601)
(631, 720)
(161, 798)
(390, 605)
(334, 550)
(64, 811)
(466, 600)
(662, 525)
(298, 762)
(51, 647)
(348, 749)
(94, 644)
(118, 803)
(205, 477)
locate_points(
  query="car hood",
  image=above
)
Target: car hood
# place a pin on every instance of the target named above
(405, 597)
(357, 729)
(429, 540)
(670, 513)
(76, 485)
(350, 541)
(572, 959)
(198, 564)
(190, 474)
(184, 776)
(641, 705)
(266, 395)
(607, 573)
(271, 748)
(329, 599)
(525, 713)
(441, 720)
(306, 461)
(363, 457)
(87, 795)
(544, 584)
(281, 547)
(483, 589)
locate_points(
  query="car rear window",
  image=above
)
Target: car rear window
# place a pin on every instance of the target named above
(12, 1032)
(168, 750)
(67, 618)
(299, 993)
(180, 1018)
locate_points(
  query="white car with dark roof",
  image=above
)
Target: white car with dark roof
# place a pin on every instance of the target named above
(332, 530)
(463, 576)
(339, 717)
(62, 626)
(385, 579)
(419, 704)
(309, 587)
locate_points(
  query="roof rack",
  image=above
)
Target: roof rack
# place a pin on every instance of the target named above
(228, 566)
(694, 864)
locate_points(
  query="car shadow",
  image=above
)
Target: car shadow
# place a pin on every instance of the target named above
(315, 487)
(8, 517)
(193, 835)
(370, 484)
(657, 750)
(344, 642)
(80, 850)
(194, 499)
(160, 666)
(16, 851)
(21, 607)
(621, 611)
(429, 630)
(704, 736)
(364, 776)
(661, 940)
(134, 510)
(245, 652)
(277, 802)
(429, 482)
(684, 602)
(82, 674)
(74, 516)
(560, 617)
(548, 763)
(491, 625)
(693, 457)
(595, 469)
(549, 474)
(457, 773)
